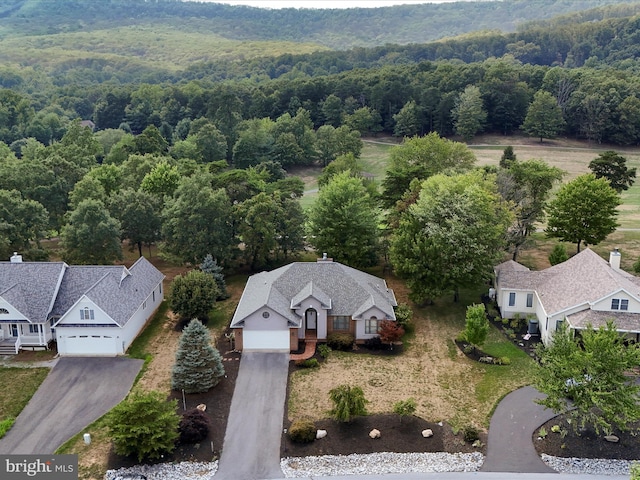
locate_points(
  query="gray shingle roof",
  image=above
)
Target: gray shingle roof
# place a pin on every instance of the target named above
(40, 290)
(348, 291)
(624, 321)
(114, 288)
(31, 287)
(585, 277)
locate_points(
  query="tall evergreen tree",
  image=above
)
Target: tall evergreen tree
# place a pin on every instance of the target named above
(198, 366)
(469, 113)
(210, 266)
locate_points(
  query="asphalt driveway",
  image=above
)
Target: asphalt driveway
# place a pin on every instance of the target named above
(77, 391)
(251, 448)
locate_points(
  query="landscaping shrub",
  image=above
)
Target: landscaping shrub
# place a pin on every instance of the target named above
(194, 426)
(404, 315)
(302, 431)
(348, 402)
(504, 361)
(340, 340)
(324, 350)
(375, 343)
(470, 434)
(308, 363)
(405, 408)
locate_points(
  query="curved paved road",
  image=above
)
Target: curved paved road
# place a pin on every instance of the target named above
(77, 391)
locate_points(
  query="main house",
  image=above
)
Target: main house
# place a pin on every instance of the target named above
(87, 310)
(585, 290)
(310, 300)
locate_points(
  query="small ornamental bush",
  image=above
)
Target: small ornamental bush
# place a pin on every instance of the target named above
(348, 402)
(324, 350)
(405, 408)
(194, 426)
(404, 314)
(302, 431)
(375, 343)
(504, 361)
(308, 363)
(340, 340)
(470, 434)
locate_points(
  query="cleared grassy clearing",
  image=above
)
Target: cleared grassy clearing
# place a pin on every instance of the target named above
(19, 385)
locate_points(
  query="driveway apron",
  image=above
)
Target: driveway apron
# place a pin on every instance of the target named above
(77, 391)
(251, 448)
(510, 447)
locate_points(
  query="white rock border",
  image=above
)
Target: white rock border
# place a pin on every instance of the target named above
(380, 463)
(162, 471)
(599, 466)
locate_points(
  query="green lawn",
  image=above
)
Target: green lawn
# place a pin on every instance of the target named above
(18, 386)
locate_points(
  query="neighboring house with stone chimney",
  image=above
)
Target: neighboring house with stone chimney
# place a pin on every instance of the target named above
(310, 300)
(584, 290)
(87, 310)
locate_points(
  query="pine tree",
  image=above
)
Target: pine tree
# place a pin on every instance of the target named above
(210, 266)
(198, 365)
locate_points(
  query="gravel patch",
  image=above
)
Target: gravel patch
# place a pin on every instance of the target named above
(380, 463)
(168, 471)
(587, 465)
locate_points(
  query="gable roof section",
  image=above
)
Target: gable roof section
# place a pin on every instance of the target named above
(118, 291)
(31, 287)
(311, 290)
(584, 278)
(345, 289)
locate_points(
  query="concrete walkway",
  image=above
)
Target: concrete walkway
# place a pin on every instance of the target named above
(251, 448)
(510, 445)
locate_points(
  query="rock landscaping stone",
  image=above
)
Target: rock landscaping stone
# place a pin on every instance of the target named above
(427, 433)
(375, 433)
(612, 438)
(202, 407)
(321, 434)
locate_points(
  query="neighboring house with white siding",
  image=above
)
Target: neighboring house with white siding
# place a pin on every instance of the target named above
(584, 290)
(310, 300)
(87, 310)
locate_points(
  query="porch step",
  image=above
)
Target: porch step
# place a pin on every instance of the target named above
(7, 350)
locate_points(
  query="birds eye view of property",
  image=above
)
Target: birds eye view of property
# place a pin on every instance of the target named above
(314, 239)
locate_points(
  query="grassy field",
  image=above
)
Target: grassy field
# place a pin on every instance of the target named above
(571, 156)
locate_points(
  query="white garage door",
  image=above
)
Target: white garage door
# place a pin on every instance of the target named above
(265, 340)
(87, 345)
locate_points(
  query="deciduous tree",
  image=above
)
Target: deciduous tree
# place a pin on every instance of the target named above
(469, 115)
(452, 236)
(586, 378)
(476, 325)
(544, 117)
(420, 158)
(613, 167)
(193, 295)
(344, 222)
(145, 425)
(92, 235)
(583, 211)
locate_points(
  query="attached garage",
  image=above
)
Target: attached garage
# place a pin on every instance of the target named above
(94, 345)
(265, 340)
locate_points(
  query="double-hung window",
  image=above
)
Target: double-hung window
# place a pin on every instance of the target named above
(371, 325)
(512, 299)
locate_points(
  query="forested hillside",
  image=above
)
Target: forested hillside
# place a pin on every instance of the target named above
(342, 28)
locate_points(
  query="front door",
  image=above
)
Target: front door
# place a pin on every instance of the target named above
(14, 330)
(311, 319)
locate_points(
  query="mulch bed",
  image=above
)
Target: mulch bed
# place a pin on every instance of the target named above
(218, 402)
(396, 436)
(586, 445)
